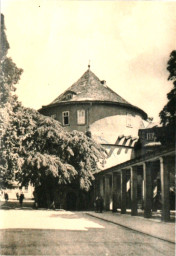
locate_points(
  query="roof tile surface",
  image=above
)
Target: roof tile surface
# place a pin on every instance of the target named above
(89, 87)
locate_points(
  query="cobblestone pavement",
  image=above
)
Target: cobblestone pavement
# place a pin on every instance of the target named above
(42, 232)
(153, 227)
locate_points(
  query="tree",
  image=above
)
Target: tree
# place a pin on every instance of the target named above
(9, 76)
(168, 114)
(35, 149)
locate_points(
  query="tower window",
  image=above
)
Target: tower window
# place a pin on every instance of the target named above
(81, 117)
(65, 117)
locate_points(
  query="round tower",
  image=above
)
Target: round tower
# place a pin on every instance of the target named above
(90, 105)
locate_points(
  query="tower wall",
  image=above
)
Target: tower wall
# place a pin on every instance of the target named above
(104, 121)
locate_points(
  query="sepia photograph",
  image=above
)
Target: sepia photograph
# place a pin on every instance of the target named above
(87, 127)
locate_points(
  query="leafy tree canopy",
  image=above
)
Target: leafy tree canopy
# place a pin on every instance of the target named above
(168, 114)
(36, 149)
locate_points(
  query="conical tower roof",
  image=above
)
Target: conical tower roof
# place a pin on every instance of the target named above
(90, 88)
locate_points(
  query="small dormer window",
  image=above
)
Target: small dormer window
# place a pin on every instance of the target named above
(65, 117)
(68, 96)
(81, 116)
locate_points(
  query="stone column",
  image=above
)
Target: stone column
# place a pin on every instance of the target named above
(147, 171)
(107, 193)
(134, 190)
(164, 174)
(101, 187)
(114, 191)
(123, 191)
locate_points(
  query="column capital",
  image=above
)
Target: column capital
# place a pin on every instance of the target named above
(161, 160)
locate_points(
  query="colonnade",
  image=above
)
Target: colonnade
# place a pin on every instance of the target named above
(119, 182)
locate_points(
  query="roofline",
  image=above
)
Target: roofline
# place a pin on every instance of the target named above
(149, 157)
(144, 115)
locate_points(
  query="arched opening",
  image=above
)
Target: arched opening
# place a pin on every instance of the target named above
(71, 199)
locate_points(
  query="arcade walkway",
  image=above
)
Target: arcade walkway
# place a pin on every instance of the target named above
(147, 181)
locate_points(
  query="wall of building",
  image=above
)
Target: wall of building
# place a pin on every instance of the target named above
(58, 110)
(105, 122)
(115, 122)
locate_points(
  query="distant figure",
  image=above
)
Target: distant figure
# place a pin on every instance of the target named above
(99, 204)
(21, 198)
(6, 196)
(35, 200)
(17, 196)
(157, 202)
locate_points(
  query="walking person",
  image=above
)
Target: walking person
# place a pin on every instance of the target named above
(35, 199)
(6, 197)
(21, 198)
(17, 196)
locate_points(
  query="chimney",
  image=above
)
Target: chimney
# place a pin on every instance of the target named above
(103, 82)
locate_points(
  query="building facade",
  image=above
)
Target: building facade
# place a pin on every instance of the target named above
(139, 171)
(90, 106)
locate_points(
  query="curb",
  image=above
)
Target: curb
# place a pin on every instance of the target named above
(127, 227)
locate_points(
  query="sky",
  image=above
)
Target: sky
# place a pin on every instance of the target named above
(128, 44)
